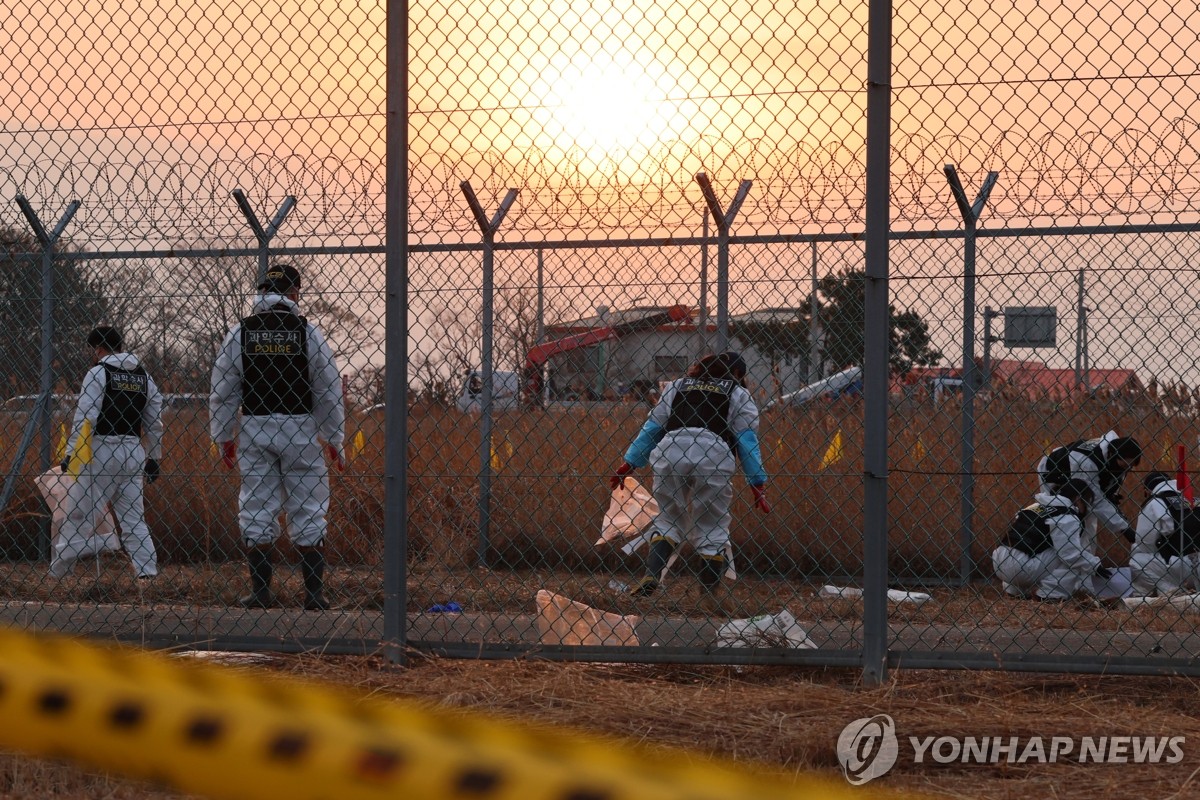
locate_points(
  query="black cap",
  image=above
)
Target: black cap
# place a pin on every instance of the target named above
(1155, 478)
(735, 365)
(280, 279)
(107, 337)
(1076, 488)
(1127, 449)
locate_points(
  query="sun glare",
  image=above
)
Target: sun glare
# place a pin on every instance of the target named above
(604, 106)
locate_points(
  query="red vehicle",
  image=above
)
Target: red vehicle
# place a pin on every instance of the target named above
(536, 358)
(531, 391)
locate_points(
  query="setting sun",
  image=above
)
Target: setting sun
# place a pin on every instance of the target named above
(601, 106)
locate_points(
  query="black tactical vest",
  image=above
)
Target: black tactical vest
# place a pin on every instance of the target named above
(703, 403)
(1029, 531)
(275, 364)
(1184, 537)
(1058, 467)
(124, 400)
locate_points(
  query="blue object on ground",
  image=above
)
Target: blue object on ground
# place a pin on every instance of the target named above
(446, 608)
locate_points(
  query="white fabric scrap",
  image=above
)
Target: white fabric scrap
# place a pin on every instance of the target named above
(765, 630)
(1184, 603)
(893, 595)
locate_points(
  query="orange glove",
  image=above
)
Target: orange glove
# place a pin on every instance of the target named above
(760, 499)
(618, 477)
(335, 457)
(229, 453)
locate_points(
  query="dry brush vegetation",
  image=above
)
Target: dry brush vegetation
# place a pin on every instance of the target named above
(549, 486)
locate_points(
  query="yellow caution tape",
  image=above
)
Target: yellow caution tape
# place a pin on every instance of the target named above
(229, 733)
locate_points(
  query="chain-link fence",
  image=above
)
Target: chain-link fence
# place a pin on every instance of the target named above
(586, 200)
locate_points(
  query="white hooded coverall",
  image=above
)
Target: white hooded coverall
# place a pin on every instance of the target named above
(113, 475)
(1152, 574)
(1061, 570)
(280, 455)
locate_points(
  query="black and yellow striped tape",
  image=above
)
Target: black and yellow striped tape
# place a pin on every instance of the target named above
(229, 733)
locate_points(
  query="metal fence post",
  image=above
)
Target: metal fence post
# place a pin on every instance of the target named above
(395, 356)
(488, 228)
(40, 418)
(263, 235)
(875, 342)
(723, 219)
(970, 214)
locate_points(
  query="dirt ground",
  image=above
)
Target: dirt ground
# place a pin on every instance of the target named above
(779, 718)
(767, 717)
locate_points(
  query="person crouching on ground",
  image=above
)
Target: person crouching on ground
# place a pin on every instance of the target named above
(695, 434)
(1044, 550)
(1163, 558)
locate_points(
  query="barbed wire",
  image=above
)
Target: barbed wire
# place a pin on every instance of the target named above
(1133, 174)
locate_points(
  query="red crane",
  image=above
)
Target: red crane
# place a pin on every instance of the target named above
(537, 357)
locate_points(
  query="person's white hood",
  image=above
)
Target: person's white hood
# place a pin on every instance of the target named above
(121, 360)
(268, 300)
(1051, 500)
(1165, 489)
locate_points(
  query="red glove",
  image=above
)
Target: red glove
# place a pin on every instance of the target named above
(618, 477)
(760, 499)
(335, 457)
(229, 453)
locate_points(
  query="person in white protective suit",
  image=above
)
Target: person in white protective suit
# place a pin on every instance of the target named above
(1164, 556)
(1104, 463)
(693, 438)
(118, 404)
(1045, 552)
(277, 369)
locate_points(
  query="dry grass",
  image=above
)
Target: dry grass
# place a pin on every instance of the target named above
(769, 717)
(549, 491)
(547, 502)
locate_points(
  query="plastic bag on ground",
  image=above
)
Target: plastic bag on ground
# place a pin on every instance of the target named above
(765, 630)
(893, 595)
(53, 484)
(561, 620)
(631, 509)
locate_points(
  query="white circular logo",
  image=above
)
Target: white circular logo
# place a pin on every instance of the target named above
(867, 748)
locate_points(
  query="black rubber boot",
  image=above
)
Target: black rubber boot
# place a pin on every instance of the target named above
(312, 566)
(711, 570)
(714, 599)
(259, 561)
(660, 553)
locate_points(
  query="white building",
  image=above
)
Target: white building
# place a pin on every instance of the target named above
(636, 361)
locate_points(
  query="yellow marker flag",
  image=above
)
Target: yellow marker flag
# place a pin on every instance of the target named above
(212, 448)
(918, 450)
(835, 451)
(83, 450)
(360, 443)
(1168, 453)
(500, 455)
